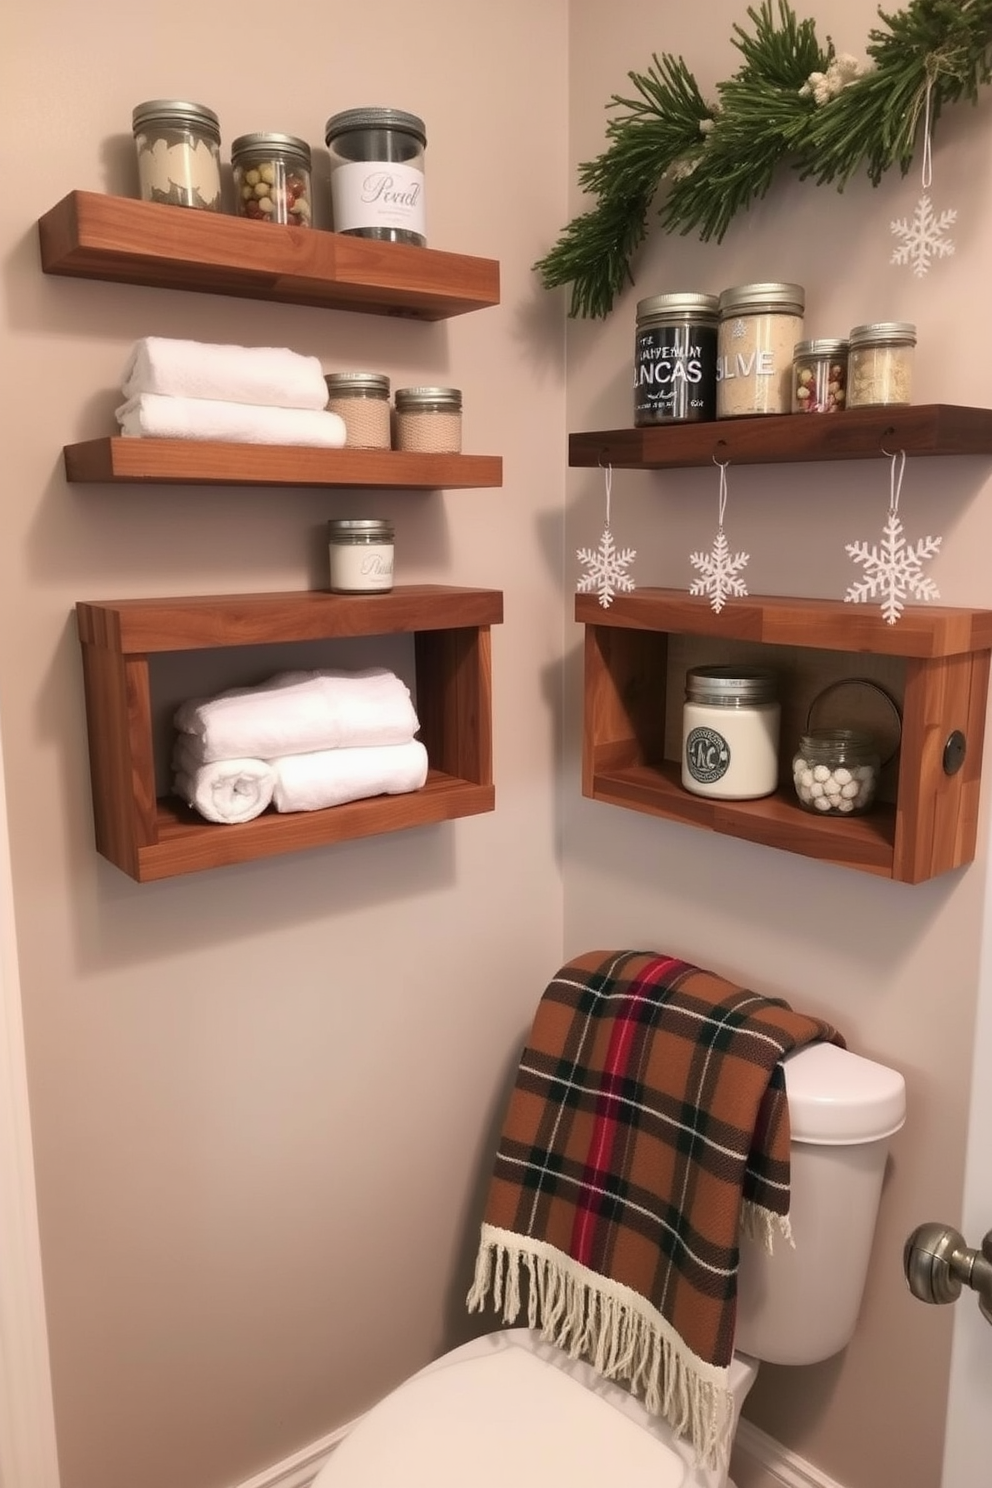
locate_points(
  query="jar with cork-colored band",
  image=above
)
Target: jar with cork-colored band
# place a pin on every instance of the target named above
(429, 420)
(881, 364)
(759, 327)
(178, 149)
(362, 400)
(730, 732)
(272, 179)
(377, 174)
(360, 552)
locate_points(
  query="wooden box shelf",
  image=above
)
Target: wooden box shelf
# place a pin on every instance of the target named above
(152, 838)
(857, 434)
(944, 653)
(91, 236)
(208, 463)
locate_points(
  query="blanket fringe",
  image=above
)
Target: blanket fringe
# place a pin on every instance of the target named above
(614, 1329)
(760, 1224)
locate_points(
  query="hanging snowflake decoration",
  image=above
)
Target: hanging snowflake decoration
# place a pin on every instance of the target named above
(923, 237)
(607, 565)
(719, 573)
(893, 570)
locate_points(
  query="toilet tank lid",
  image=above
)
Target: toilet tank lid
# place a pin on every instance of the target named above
(837, 1098)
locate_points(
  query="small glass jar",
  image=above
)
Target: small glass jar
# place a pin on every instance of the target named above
(819, 377)
(362, 400)
(836, 771)
(178, 148)
(675, 359)
(759, 327)
(377, 174)
(730, 732)
(360, 552)
(272, 179)
(881, 364)
(429, 420)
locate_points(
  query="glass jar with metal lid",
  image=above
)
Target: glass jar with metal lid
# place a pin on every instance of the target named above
(377, 174)
(759, 327)
(272, 179)
(730, 732)
(675, 358)
(178, 148)
(429, 419)
(881, 364)
(362, 400)
(835, 771)
(360, 551)
(819, 376)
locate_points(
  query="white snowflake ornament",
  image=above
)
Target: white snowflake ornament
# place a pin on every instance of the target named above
(719, 573)
(893, 569)
(923, 237)
(607, 567)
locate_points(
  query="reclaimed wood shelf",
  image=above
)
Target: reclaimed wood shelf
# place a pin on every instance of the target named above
(856, 434)
(932, 825)
(150, 838)
(212, 463)
(88, 235)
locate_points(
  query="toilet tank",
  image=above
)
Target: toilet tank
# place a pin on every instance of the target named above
(800, 1303)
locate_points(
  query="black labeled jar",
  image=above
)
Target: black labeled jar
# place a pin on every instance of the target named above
(675, 359)
(377, 174)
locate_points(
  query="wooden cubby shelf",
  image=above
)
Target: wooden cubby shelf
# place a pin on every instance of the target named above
(205, 462)
(88, 235)
(857, 434)
(151, 838)
(941, 655)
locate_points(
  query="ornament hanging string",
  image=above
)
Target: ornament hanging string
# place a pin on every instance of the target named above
(719, 569)
(606, 566)
(608, 477)
(896, 473)
(927, 176)
(722, 497)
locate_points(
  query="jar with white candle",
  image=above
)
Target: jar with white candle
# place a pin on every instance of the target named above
(730, 732)
(360, 551)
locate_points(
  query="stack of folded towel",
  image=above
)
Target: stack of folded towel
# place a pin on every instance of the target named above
(242, 394)
(300, 742)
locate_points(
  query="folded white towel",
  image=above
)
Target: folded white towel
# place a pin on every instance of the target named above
(329, 777)
(297, 712)
(151, 415)
(233, 790)
(270, 375)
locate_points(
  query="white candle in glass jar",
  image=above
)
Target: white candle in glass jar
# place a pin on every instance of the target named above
(360, 553)
(730, 733)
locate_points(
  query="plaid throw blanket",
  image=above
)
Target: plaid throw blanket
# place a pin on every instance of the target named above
(647, 1124)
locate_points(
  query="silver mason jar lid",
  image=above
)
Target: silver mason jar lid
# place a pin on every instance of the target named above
(730, 686)
(270, 144)
(358, 383)
(883, 333)
(825, 347)
(175, 111)
(687, 304)
(787, 299)
(374, 118)
(413, 398)
(355, 528)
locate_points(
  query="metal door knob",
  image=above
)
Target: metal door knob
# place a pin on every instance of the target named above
(938, 1262)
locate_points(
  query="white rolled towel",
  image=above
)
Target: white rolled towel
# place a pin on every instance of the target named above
(330, 777)
(298, 712)
(153, 416)
(272, 376)
(227, 791)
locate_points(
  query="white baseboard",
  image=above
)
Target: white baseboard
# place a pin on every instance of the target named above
(299, 1470)
(759, 1461)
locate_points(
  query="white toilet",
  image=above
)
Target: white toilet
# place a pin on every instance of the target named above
(507, 1409)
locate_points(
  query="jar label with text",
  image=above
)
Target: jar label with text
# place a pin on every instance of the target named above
(675, 374)
(370, 193)
(707, 755)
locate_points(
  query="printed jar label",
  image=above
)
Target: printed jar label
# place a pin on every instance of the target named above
(675, 374)
(370, 193)
(707, 755)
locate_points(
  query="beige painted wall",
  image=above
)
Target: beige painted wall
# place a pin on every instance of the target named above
(263, 1098)
(895, 966)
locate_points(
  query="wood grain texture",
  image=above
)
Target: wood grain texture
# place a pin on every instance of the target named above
(856, 434)
(115, 460)
(91, 236)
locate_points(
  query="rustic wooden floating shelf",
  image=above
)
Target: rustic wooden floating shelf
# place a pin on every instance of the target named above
(151, 838)
(932, 826)
(857, 434)
(88, 235)
(117, 460)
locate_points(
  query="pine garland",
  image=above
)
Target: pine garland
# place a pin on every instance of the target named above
(793, 102)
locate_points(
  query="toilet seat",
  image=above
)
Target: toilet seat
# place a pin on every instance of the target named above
(507, 1409)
